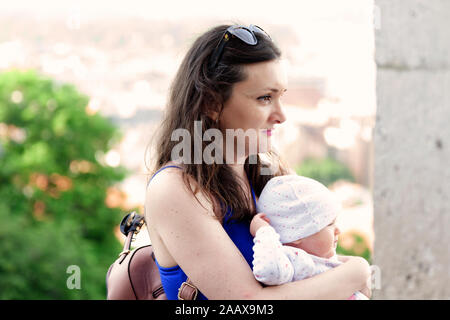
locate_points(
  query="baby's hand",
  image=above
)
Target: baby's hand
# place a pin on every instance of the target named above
(258, 221)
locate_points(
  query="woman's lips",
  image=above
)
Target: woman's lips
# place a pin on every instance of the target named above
(269, 132)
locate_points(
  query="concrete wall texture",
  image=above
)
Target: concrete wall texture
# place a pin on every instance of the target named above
(412, 149)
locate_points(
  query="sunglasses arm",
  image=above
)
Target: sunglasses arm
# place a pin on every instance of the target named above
(217, 55)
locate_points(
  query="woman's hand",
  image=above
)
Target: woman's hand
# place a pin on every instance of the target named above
(362, 270)
(367, 290)
(258, 221)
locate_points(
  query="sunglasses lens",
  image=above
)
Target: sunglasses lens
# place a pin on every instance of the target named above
(257, 29)
(245, 35)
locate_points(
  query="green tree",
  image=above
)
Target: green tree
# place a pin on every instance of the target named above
(326, 171)
(53, 186)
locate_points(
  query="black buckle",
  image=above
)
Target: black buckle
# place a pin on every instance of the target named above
(132, 222)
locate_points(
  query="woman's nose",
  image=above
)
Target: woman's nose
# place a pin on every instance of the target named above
(279, 115)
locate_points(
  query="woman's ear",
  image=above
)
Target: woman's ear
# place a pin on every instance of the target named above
(212, 110)
(213, 115)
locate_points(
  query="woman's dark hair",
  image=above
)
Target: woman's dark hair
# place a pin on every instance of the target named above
(197, 91)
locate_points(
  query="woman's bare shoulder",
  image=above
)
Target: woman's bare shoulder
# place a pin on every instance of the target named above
(165, 176)
(168, 190)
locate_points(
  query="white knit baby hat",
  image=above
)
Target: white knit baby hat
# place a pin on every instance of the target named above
(297, 206)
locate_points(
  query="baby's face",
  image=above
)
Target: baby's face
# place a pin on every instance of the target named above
(322, 244)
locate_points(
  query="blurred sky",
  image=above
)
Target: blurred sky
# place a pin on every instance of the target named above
(280, 11)
(338, 34)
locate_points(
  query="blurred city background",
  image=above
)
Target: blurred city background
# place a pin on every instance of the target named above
(120, 60)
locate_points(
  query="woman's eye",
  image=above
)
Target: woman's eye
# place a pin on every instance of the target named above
(265, 98)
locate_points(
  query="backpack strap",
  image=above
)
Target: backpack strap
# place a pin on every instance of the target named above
(187, 291)
(131, 225)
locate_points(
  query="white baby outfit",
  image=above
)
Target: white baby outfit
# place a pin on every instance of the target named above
(297, 207)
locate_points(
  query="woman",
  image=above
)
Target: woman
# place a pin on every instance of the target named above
(198, 214)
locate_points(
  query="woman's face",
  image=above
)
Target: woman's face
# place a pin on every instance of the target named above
(255, 106)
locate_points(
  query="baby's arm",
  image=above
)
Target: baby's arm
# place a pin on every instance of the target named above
(270, 264)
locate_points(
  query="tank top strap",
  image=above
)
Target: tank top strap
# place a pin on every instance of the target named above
(161, 169)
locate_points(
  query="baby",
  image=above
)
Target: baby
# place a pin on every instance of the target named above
(301, 239)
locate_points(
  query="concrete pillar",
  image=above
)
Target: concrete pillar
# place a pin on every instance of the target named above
(412, 149)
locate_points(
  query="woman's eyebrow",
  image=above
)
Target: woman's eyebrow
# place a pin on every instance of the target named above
(259, 91)
(274, 89)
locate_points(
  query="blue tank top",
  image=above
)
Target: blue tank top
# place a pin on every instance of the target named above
(238, 231)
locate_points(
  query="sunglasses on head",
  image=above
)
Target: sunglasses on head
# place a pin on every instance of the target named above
(245, 34)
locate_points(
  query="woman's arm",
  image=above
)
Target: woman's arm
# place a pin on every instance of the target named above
(198, 243)
(335, 284)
